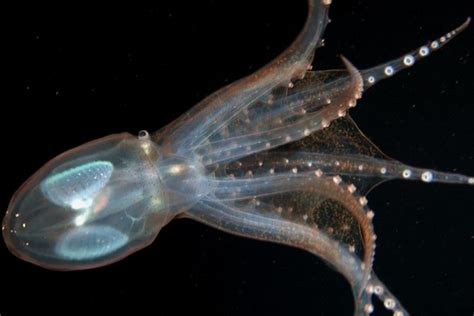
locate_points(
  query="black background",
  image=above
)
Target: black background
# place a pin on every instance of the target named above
(83, 72)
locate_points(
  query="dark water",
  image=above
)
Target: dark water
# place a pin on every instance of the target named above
(88, 71)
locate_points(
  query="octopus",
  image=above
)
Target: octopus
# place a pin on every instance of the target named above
(274, 156)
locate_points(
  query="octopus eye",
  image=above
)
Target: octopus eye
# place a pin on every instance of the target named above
(76, 187)
(90, 242)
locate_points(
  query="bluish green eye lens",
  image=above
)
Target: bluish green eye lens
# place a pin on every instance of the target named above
(76, 187)
(90, 242)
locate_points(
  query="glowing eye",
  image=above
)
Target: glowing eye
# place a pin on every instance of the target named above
(90, 242)
(76, 187)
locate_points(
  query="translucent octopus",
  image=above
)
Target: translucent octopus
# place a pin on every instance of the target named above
(273, 156)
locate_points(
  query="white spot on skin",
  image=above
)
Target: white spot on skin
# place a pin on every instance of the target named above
(78, 204)
(318, 173)
(398, 313)
(470, 180)
(352, 103)
(388, 70)
(305, 217)
(176, 169)
(288, 138)
(306, 132)
(371, 80)
(80, 220)
(408, 60)
(294, 170)
(352, 248)
(23, 225)
(337, 179)
(424, 51)
(271, 171)
(427, 176)
(361, 167)
(326, 2)
(341, 113)
(368, 308)
(310, 164)
(442, 39)
(369, 289)
(383, 170)
(406, 173)
(363, 200)
(370, 214)
(146, 147)
(378, 290)
(270, 99)
(389, 303)
(324, 123)
(351, 188)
